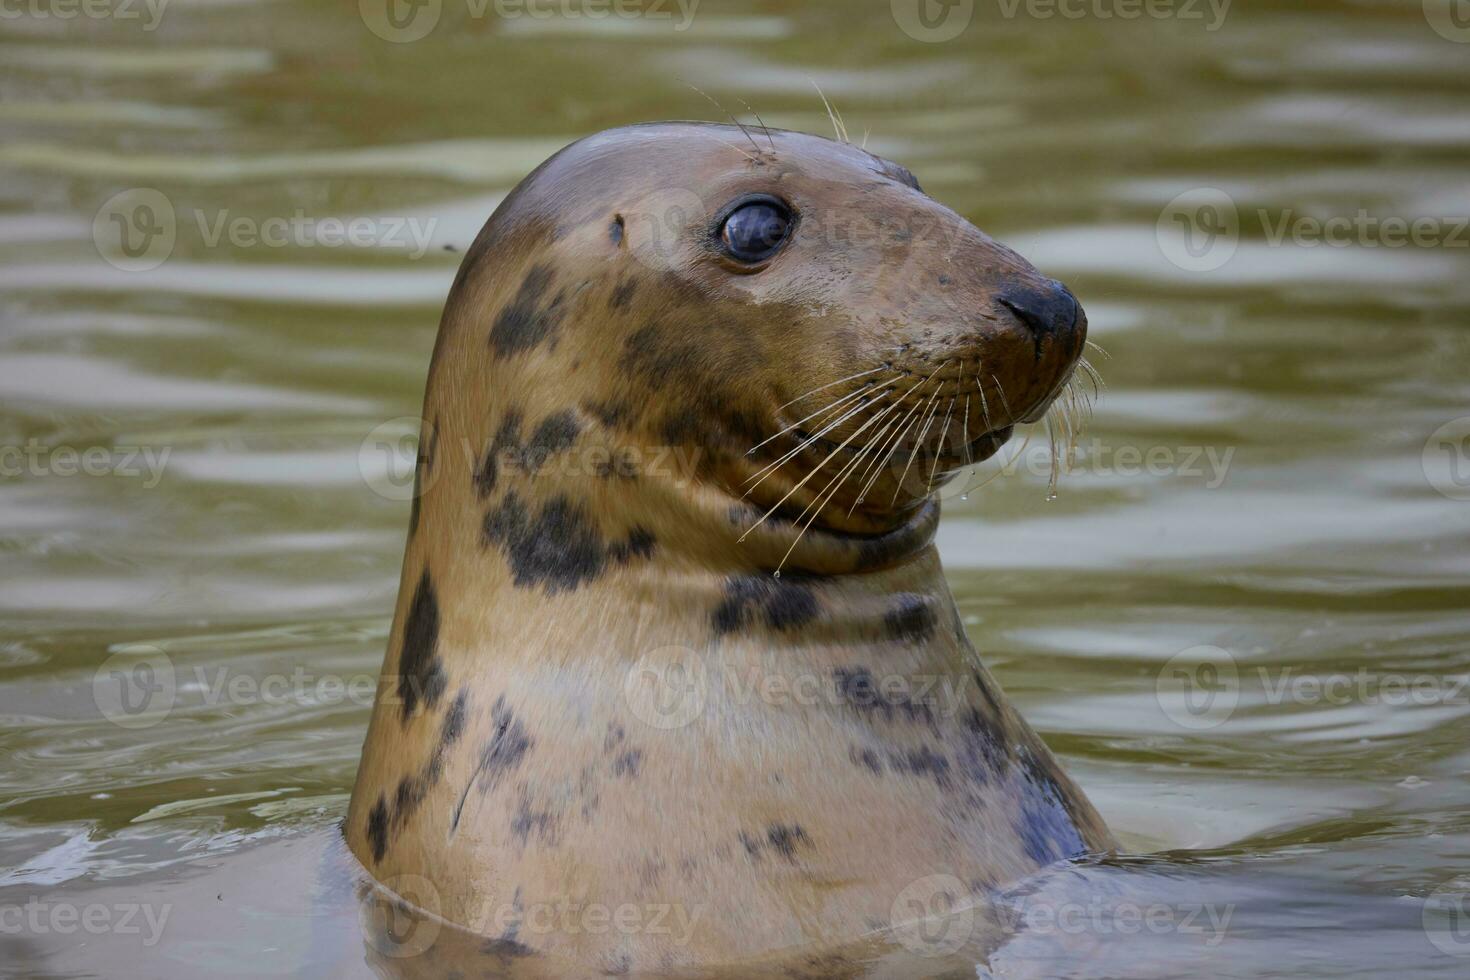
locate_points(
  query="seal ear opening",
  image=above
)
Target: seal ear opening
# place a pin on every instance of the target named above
(616, 231)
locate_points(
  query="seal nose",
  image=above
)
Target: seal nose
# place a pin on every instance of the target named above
(1046, 308)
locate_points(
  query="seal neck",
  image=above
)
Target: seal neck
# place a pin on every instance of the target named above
(780, 545)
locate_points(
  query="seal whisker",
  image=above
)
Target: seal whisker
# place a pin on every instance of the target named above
(918, 447)
(965, 434)
(855, 392)
(1051, 434)
(1098, 347)
(764, 127)
(832, 384)
(876, 448)
(984, 406)
(919, 438)
(832, 114)
(822, 498)
(948, 415)
(1097, 382)
(825, 496)
(808, 442)
(802, 482)
(878, 464)
(737, 122)
(1000, 390)
(1025, 443)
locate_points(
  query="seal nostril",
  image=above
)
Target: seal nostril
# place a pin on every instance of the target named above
(1046, 308)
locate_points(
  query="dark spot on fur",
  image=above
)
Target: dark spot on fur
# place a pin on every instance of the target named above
(410, 793)
(783, 839)
(613, 415)
(786, 838)
(639, 544)
(554, 435)
(528, 822)
(911, 619)
(623, 295)
(559, 548)
(528, 320)
(982, 749)
(502, 752)
(424, 467)
(377, 828)
(414, 507)
(506, 747)
(1045, 825)
(662, 355)
(783, 604)
(615, 230)
(866, 758)
(507, 946)
(505, 443)
(614, 737)
(453, 727)
(627, 764)
(922, 762)
(506, 949)
(420, 672)
(451, 730)
(857, 689)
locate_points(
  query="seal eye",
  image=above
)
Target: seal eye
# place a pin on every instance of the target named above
(753, 232)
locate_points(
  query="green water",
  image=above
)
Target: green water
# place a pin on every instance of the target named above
(202, 462)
